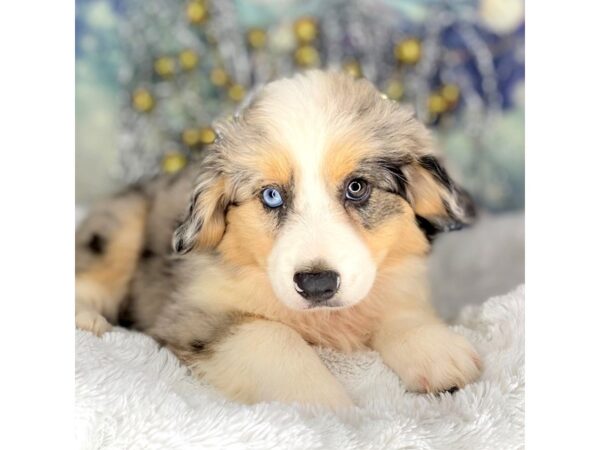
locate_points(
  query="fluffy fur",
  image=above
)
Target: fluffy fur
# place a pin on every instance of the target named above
(487, 414)
(225, 301)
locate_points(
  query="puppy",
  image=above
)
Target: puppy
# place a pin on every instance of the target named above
(308, 223)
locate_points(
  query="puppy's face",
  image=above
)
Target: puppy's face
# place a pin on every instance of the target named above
(321, 184)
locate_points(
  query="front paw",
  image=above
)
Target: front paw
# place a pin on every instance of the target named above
(435, 359)
(326, 391)
(92, 321)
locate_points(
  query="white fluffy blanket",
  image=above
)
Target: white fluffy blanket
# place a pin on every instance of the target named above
(131, 394)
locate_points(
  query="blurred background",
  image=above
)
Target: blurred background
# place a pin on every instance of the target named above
(151, 75)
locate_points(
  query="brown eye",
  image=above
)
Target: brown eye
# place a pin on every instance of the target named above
(358, 190)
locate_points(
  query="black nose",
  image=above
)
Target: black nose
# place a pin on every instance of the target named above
(317, 286)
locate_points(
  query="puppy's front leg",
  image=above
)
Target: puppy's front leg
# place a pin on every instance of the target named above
(425, 353)
(259, 360)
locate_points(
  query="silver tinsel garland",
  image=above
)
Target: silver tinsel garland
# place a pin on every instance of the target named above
(169, 101)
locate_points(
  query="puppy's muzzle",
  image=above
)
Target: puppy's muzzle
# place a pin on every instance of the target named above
(317, 287)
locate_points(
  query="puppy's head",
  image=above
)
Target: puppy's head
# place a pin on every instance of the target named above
(320, 183)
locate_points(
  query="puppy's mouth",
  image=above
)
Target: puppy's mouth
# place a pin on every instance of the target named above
(332, 303)
(326, 305)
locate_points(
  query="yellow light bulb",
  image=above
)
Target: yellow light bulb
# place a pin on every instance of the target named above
(257, 38)
(143, 100)
(207, 135)
(305, 29)
(394, 89)
(236, 92)
(437, 104)
(188, 59)
(352, 67)
(408, 51)
(451, 94)
(306, 56)
(219, 77)
(190, 137)
(196, 12)
(173, 162)
(164, 66)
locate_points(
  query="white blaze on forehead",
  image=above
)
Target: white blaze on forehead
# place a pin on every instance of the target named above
(317, 229)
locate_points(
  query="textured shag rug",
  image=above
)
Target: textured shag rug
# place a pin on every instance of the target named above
(132, 394)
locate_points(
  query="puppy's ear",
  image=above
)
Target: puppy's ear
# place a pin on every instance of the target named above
(439, 203)
(204, 224)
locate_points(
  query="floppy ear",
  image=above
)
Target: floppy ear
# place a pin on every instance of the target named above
(439, 203)
(204, 224)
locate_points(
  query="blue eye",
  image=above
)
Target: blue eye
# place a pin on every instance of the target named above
(272, 198)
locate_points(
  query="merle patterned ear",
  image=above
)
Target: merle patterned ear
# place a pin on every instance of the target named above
(204, 223)
(439, 203)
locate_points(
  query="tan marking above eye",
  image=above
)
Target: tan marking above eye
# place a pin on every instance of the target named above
(275, 166)
(343, 157)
